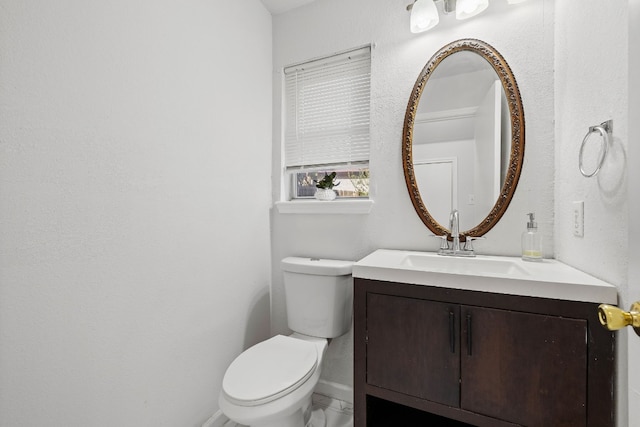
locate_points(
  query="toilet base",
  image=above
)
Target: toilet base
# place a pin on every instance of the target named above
(294, 420)
(318, 419)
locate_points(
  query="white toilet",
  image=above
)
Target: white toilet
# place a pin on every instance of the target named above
(271, 383)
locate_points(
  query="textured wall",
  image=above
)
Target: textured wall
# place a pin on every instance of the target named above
(524, 36)
(591, 86)
(590, 89)
(123, 295)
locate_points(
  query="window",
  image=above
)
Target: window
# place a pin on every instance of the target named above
(327, 103)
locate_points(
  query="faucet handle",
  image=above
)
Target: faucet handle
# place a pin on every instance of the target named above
(468, 244)
(444, 244)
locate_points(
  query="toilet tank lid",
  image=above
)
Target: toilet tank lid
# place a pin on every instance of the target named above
(317, 266)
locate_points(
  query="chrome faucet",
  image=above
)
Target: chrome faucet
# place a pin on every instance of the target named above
(454, 226)
(453, 248)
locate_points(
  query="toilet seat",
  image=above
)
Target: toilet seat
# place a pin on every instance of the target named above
(269, 370)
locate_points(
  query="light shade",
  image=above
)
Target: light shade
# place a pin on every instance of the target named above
(468, 8)
(424, 16)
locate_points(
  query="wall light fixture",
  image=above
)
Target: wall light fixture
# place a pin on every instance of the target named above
(424, 13)
(469, 8)
(424, 16)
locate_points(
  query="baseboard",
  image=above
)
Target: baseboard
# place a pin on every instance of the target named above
(335, 391)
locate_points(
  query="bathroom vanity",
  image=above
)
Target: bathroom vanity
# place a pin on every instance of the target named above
(486, 341)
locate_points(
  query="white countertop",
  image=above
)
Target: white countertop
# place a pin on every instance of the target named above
(504, 275)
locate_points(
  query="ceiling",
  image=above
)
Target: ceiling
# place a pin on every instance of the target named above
(280, 6)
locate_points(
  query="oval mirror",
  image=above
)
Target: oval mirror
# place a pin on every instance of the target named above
(463, 138)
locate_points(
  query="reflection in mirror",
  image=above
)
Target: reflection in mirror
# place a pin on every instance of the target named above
(463, 138)
(461, 127)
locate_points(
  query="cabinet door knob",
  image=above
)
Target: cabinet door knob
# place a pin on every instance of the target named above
(613, 318)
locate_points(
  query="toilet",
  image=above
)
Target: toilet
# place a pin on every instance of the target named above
(271, 383)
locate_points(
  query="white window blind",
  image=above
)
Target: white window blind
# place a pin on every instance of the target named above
(327, 104)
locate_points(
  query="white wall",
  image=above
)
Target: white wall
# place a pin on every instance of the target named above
(134, 226)
(591, 86)
(591, 83)
(524, 36)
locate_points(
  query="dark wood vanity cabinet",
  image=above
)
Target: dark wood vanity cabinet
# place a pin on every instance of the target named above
(437, 356)
(399, 323)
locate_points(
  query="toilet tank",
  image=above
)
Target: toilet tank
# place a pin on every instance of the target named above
(319, 296)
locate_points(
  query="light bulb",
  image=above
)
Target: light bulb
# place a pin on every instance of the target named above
(467, 8)
(424, 16)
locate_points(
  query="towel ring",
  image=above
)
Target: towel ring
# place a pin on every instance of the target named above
(604, 129)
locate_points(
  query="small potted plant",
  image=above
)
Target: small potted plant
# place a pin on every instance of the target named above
(325, 187)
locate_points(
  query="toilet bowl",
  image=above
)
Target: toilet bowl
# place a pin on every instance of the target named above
(271, 383)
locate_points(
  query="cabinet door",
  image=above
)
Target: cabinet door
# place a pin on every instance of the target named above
(525, 368)
(413, 347)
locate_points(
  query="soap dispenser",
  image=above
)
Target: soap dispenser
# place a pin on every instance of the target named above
(531, 241)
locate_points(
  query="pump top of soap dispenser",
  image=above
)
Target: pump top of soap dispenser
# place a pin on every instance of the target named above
(532, 225)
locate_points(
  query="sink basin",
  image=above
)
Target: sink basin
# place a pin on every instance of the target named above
(474, 266)
(507, 275)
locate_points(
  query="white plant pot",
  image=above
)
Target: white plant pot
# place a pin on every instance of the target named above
(325, 194)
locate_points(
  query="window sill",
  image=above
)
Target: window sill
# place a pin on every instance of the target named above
(334, 207)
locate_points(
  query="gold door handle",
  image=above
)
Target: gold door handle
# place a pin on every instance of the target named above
(613, 318)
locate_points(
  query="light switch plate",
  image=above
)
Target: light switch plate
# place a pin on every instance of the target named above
(578, 219)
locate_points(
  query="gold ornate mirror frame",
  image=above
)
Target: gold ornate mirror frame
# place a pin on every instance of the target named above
(516, 115)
